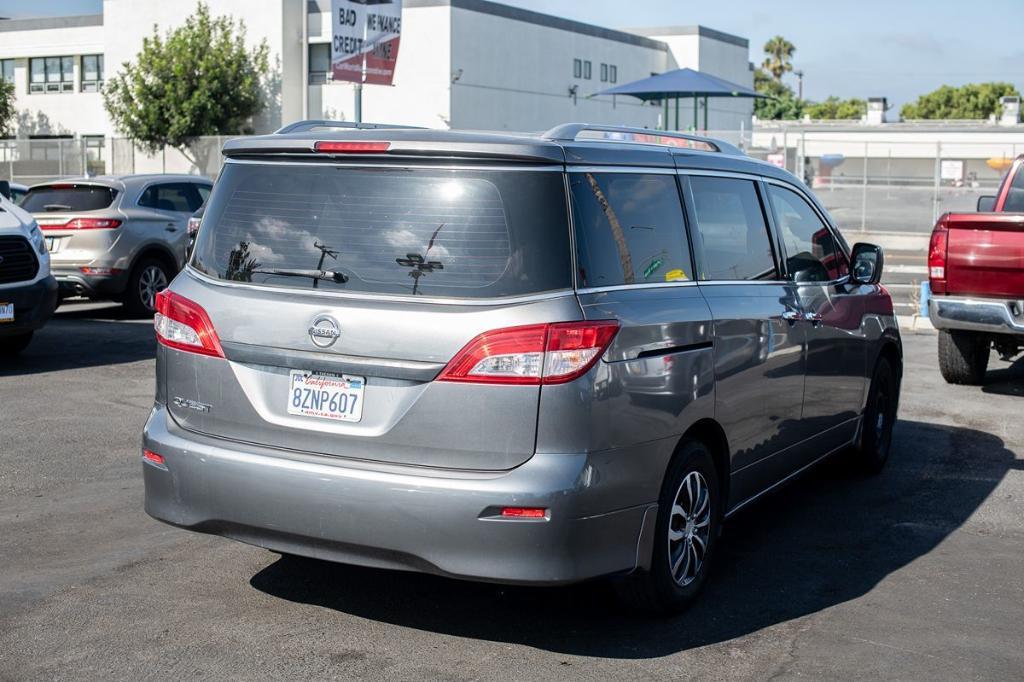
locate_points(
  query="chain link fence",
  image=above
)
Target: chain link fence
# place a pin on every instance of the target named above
(868, 185)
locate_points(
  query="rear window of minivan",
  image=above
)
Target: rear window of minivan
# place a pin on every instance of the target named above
(68, 198)
(427, 231)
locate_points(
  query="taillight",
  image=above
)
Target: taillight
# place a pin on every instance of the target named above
(83, 224)
(532, 354)
(193, 226)
(937, 249)
(183, 324)
(337, 147)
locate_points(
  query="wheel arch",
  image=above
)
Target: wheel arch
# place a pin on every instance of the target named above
(159, 252)
(711, 434)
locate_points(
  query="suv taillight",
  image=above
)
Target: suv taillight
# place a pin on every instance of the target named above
(83, 224)
(937, 249)
(193, 226)
(184, 325)
(532, 354)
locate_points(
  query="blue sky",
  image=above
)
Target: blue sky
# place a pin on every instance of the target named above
(861, 48)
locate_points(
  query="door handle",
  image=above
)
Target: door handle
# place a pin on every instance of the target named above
(171, 227)
(791, 316)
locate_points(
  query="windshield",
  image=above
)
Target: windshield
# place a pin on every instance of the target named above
(68, 198)
(430, 232)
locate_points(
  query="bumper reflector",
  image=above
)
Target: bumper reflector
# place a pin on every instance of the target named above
(151, 456)
(524, 512)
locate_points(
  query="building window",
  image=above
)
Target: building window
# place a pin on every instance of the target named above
(52, 74)
(586, 70)
(49, 147)
(319, 63)
(7, 70)
(613, 73)
(577, 68)
(92, 72)
(604, 73)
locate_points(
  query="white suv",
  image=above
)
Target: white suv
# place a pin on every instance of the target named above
(28, 292)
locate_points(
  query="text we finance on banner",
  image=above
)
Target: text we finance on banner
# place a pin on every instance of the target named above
(366, 37)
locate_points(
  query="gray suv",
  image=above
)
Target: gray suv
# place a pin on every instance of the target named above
(120, 237)
(524, 359)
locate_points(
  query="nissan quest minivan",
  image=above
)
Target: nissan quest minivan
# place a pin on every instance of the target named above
(524, 359)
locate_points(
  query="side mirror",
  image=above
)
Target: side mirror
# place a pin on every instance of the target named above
(986, 204)
(5, 189)
(868, 261)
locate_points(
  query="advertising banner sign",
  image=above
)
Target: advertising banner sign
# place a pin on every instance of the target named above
(365, 41)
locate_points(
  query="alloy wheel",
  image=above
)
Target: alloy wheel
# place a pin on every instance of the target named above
(689, 529)
(151, 280)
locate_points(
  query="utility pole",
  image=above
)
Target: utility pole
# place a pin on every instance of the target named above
(799, 84)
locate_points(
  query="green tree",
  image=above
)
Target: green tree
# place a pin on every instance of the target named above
(778, 57)
(7, 110)
(835, 108)
(199, 79)
(972, 101)
(781, 104)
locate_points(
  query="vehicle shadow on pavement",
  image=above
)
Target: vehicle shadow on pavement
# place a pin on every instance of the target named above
(1007, 380)
(88, 337)
(827, 538)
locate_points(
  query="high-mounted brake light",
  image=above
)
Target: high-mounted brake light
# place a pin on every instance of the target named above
(184, 325)
(532, 354)
(83, 224)
(937, 249)
(337, 147)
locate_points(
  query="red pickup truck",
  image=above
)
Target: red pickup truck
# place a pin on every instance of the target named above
(976, 271)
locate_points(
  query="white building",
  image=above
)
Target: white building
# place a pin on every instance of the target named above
(462, 64)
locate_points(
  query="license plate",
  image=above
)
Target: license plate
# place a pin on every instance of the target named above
(327, 396)
(51, 243)
(6, 312)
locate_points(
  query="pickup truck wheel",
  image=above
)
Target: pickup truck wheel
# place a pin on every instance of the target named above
(963, 357)
(879, 417)
(686, 533)
(12, 345)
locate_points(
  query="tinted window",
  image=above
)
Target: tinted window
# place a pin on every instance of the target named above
(732, 229)
(177, 196)
(473, 234)
(1015, 199)
(811, 252)
(68, 198)
(629, 229)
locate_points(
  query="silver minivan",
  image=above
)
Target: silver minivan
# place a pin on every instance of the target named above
(525, 359)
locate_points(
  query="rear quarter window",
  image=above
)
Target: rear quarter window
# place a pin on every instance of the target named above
(68, 198)
(429, 232)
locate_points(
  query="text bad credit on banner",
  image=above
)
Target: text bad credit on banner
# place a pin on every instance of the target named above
(365, 41)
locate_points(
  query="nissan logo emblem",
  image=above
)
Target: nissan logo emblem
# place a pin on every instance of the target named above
(324, 331)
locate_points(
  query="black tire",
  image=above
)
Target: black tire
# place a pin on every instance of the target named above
(963, 357)
(872, 451)
(657, 591)
(148, 276)
(12, 345)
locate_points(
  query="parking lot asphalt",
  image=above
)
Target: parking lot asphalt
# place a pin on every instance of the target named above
(917, 573)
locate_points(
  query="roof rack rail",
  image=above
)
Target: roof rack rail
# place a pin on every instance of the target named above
(570, 132)
(313, 124)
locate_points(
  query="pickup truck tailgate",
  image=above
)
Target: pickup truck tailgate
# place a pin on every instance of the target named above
(985, 254)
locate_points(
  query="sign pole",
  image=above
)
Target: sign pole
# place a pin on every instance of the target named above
(359, 102)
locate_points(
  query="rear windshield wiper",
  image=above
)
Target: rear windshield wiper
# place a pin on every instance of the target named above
(56, 207)
(326, 275)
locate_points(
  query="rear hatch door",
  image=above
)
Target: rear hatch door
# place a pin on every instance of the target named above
(413, 264)
(77, 218)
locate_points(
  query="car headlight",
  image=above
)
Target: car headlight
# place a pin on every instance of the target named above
(35, 235)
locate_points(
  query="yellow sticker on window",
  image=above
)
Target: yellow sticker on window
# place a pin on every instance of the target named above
(676, 275)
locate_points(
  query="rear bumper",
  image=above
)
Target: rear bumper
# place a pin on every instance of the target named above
(33, 305)
(393, 517)
(73, 283)
(993, 315)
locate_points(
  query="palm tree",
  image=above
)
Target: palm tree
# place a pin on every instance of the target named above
(778, 58)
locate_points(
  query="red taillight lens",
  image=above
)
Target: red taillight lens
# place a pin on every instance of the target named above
(532, 354)
(524, 512)
(937, 249)
(151, 456)
(81, 224)
(329, 147)
(183, 324)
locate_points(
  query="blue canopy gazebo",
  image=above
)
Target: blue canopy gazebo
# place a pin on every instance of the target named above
(679, 84)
